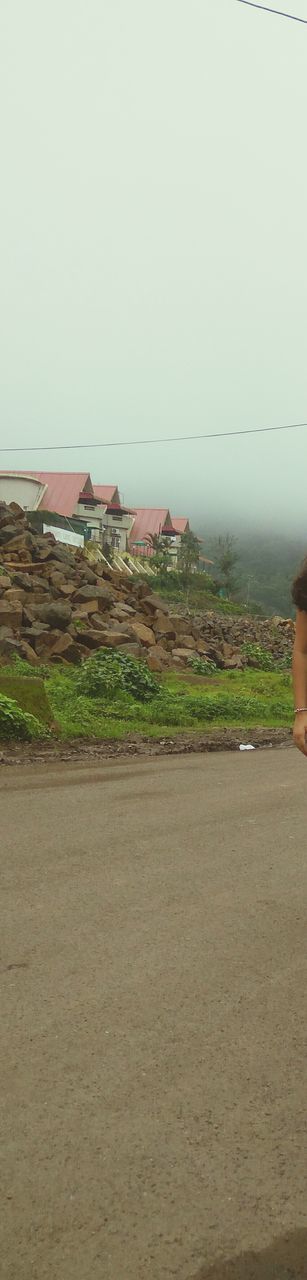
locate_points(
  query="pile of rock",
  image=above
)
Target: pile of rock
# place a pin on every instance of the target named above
(57, 607)
(225, 636)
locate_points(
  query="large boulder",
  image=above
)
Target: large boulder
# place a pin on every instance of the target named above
(7, 531)
(112, 639)
(182, 654)
(10, 613)
(6, 634)
(144, 634)
(154, 603)
(66, 647)
(179, 624)
(85, 607)
(164, 625)
(187, 642)
(101, 594)
(21, 542)
(57, 613)
(161, 654)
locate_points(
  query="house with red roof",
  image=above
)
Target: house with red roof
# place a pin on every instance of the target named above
(97, 508)
(149, 522)
(67, 494)
(118, 519)
(72, 495)
(181, 524)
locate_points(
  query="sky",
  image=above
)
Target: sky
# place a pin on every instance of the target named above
(153, 245)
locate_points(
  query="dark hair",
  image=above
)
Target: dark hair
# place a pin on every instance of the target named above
(299, 588)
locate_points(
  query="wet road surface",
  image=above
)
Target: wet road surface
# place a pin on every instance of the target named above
(153, 1015)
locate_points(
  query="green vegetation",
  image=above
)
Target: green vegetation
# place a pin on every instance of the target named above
(263, 660)
(201, 666)
(251, 574)
(109, 672)
(29, 694)
(188, 557)
(225, 556)
(15, 723)
(198, 594)
(265, 568)
(113, 696)
(161, 558)
(257, 569)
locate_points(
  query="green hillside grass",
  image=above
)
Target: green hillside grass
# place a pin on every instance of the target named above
(234, 699)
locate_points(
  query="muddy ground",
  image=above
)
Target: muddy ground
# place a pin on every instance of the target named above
(137, 745)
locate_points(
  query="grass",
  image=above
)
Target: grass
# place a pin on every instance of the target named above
(199, 602)
(234, 699)
(199, 596)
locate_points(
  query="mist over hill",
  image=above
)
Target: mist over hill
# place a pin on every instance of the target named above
(267, 562)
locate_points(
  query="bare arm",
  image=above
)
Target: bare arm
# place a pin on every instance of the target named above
(299, 667)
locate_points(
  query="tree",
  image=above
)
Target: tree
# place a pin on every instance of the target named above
(161, 558)
(226, 557)
(188, 555)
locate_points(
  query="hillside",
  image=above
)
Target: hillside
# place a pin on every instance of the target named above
(265, 568)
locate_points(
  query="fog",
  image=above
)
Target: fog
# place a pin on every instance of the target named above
(153, 278)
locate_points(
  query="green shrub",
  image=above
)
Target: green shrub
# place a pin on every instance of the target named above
(18, 724)
(259, 657)
(263, 660)
(80, 624)
(19, 667)
(202, 666)
(109, 672)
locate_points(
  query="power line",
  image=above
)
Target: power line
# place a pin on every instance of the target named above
(280, 12)
(125, 444)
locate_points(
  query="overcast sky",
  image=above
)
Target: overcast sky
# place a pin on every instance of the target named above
(154, 230)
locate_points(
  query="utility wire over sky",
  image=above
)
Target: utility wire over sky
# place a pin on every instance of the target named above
(124, 444)
(279, 12)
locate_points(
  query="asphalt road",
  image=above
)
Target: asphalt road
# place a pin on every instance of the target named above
(153, 1019)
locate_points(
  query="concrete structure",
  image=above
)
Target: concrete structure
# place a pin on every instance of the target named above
(118, 520)
(179, 525)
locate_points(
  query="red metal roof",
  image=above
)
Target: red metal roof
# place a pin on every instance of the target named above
(107, 493)
(148, 522)
(116, 506)
(181, 524)
(62, 488)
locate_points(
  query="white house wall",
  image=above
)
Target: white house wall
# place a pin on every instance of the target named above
(25, 490)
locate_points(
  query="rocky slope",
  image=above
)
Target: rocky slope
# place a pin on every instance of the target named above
(57, 607)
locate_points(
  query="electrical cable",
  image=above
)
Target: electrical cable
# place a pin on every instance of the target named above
(124, 444)
(279, 12)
